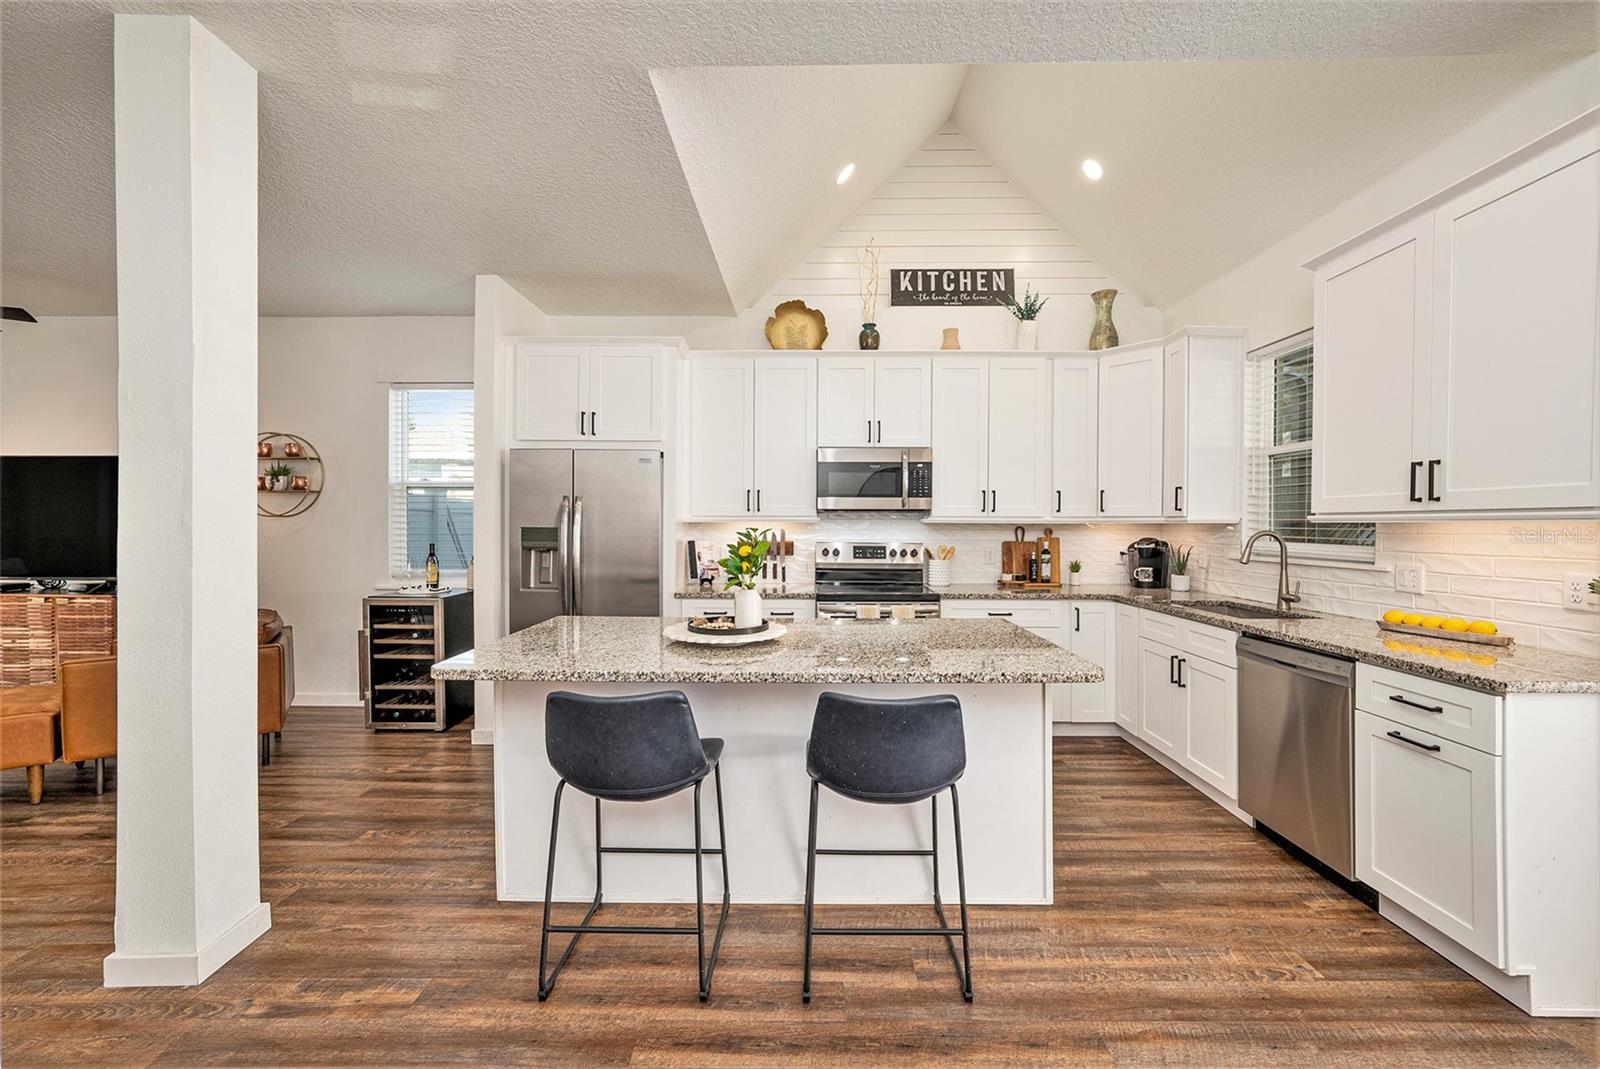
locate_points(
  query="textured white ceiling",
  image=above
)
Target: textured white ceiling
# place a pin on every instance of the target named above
(408, 146)
(762, 148)
(1207, 164)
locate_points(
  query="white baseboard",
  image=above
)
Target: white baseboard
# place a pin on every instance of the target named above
(187, 970)
(1188, 777)
(337, 699)
(483, 737)
(1514, 989)
(1062, 729)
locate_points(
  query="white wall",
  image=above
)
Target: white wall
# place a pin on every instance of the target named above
(58, 386)
(947, 206)
(327, 380)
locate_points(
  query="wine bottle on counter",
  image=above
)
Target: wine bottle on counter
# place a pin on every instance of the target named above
(1033, 567)
(1044, 563)
(431, 567)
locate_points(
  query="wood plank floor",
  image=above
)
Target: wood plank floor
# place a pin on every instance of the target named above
(1179, 937)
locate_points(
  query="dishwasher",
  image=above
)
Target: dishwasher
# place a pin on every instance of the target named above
(1296, 746)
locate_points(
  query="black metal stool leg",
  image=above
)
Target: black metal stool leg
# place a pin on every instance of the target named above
(811, 890)
(547, 984)
(699, 902)
(710, 966)
(963, 972)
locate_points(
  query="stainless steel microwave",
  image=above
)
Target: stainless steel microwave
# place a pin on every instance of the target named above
(879, 479)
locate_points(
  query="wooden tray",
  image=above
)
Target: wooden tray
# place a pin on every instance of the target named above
(1447, 636)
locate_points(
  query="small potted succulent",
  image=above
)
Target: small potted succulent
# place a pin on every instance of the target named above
(1179, 566)
(743, 563)
(277, 476)
(1074, 572)
(1027, 312)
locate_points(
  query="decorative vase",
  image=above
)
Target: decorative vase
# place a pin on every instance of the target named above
(939, 573)
(746, 607)
(952, 338)
(1027, 335)
(1074, 578)
(1104, 333)
(869, 336)
(263, 449)
(1179, 583)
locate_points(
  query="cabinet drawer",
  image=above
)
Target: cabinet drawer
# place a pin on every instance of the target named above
(1197, 640)
(1466, 716)
(779, 609)
(1029, 614)
(1428, 830)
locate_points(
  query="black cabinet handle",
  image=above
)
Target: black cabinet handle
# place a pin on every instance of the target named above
(994, 501)
(747, 501)
(1172, 668)
(1102, 501)
(1430, 747)
(1415, 705)
(1077, 621)
(983, 500)
(758, 500)
(1433, 466)
(1175, 491)
(580, 421)
(1416, 465)
(1181, 662)
(785, 612)
(594, 422)
(869, 432)
(1001, 614)
(880, 432)
(1058, 500)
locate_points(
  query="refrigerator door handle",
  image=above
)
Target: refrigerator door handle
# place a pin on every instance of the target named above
(577, 556)
(563, 555)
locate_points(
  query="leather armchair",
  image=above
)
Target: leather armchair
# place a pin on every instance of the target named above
(89, 713)
(274, 687)
(28, 731)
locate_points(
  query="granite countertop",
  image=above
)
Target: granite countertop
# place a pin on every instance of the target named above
(1494, 669)
(631, 649)
(791, 591)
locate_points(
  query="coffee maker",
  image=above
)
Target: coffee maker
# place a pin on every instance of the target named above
(1147, 563)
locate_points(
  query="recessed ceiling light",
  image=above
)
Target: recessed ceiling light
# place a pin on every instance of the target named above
(844, 174)
(1092, 170)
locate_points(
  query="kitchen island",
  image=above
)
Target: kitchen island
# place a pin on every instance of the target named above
(760, 699)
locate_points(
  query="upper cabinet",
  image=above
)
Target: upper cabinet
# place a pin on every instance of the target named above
(874, 400)
(582, 393)
(1131, 424)
(752, 437)
(1075, 442)
(1203, 435)
(991, 437)
(1456, 348)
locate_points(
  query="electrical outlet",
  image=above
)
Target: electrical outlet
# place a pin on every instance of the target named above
(1575, 593)
(991, 555)
(1411, 578)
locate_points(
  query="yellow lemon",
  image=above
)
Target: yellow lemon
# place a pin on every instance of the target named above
(1482, 627)
(1455, 623)
(1412, 619)
(1395, 616)
(744, 551)
(1432, 621)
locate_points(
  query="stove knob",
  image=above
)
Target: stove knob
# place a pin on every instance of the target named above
(914, 554)
(902, 553)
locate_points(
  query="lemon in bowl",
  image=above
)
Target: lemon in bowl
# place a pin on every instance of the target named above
(1432, 621)
(1455, 623)
(1412, 619)
(1395, 616)
(1482, 627)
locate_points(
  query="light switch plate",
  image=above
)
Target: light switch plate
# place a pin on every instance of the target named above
(1411, 578)
(1575, 593)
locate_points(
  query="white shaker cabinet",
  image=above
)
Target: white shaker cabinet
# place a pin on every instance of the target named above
(579, 393)
(1131, 419)
(961, 437)
(1209, 696)
(1074, 431)
(1160, 711)
(1456, 347)
(991, 436)
(874, 400)
(752, 437)
(1125, 689)
(1203, 433)
(1090, 632)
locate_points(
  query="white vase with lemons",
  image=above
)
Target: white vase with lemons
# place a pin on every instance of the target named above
(746, 554)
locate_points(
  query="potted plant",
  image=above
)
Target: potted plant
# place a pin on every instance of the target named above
(1074, 572)
(1027, 313)
(277, 476)
(743, 563)
(1180, 567)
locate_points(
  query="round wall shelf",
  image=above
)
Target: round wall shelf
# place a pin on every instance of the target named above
(305, 481)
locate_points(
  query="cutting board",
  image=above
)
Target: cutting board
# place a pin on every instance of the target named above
(1057, 565)
(1014, 554)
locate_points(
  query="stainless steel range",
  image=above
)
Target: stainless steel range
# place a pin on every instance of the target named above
(874, 577)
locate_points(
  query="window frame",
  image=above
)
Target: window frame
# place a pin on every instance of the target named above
(396, 536)
(1261, 446)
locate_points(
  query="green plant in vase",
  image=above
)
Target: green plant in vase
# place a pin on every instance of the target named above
(1026, 312)
(746, 554)
(1074, 572)
(1179, 566)
(278, 476)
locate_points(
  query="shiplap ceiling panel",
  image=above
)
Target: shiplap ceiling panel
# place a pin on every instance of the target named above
(407, 146)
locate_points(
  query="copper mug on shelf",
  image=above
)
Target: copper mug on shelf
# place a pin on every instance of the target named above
(261, 484)
(300, 484)
(292, 448)
(263, 448)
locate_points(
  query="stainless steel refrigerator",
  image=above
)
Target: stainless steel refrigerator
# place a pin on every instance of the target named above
(585, 533)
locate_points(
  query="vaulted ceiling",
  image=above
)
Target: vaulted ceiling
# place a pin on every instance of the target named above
(650, 158)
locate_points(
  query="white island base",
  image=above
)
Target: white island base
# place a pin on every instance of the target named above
(1005, 805)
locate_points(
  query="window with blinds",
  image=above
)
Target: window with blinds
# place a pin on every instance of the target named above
(430, 477)
(1280, 438)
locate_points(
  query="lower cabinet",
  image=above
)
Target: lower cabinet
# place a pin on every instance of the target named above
(1090, 631)
(1160, 715)
(1210, 704)
(1428, 832)
(1125, 694)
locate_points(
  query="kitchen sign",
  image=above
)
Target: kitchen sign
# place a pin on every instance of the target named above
(945, 286)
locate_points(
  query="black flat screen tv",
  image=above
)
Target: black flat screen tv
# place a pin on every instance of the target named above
(58, 517)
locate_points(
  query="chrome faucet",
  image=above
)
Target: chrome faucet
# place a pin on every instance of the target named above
(1285, 598)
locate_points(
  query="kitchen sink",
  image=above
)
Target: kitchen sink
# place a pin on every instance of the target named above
(1244, 610)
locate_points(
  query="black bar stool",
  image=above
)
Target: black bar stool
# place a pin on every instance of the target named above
(634, 748)
(892, 752)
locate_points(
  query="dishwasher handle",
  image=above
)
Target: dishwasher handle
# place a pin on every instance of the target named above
(1332, 669)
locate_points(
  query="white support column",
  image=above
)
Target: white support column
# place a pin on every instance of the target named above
(188, 858)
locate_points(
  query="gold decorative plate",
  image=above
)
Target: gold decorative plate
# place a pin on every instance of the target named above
(794, 326)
